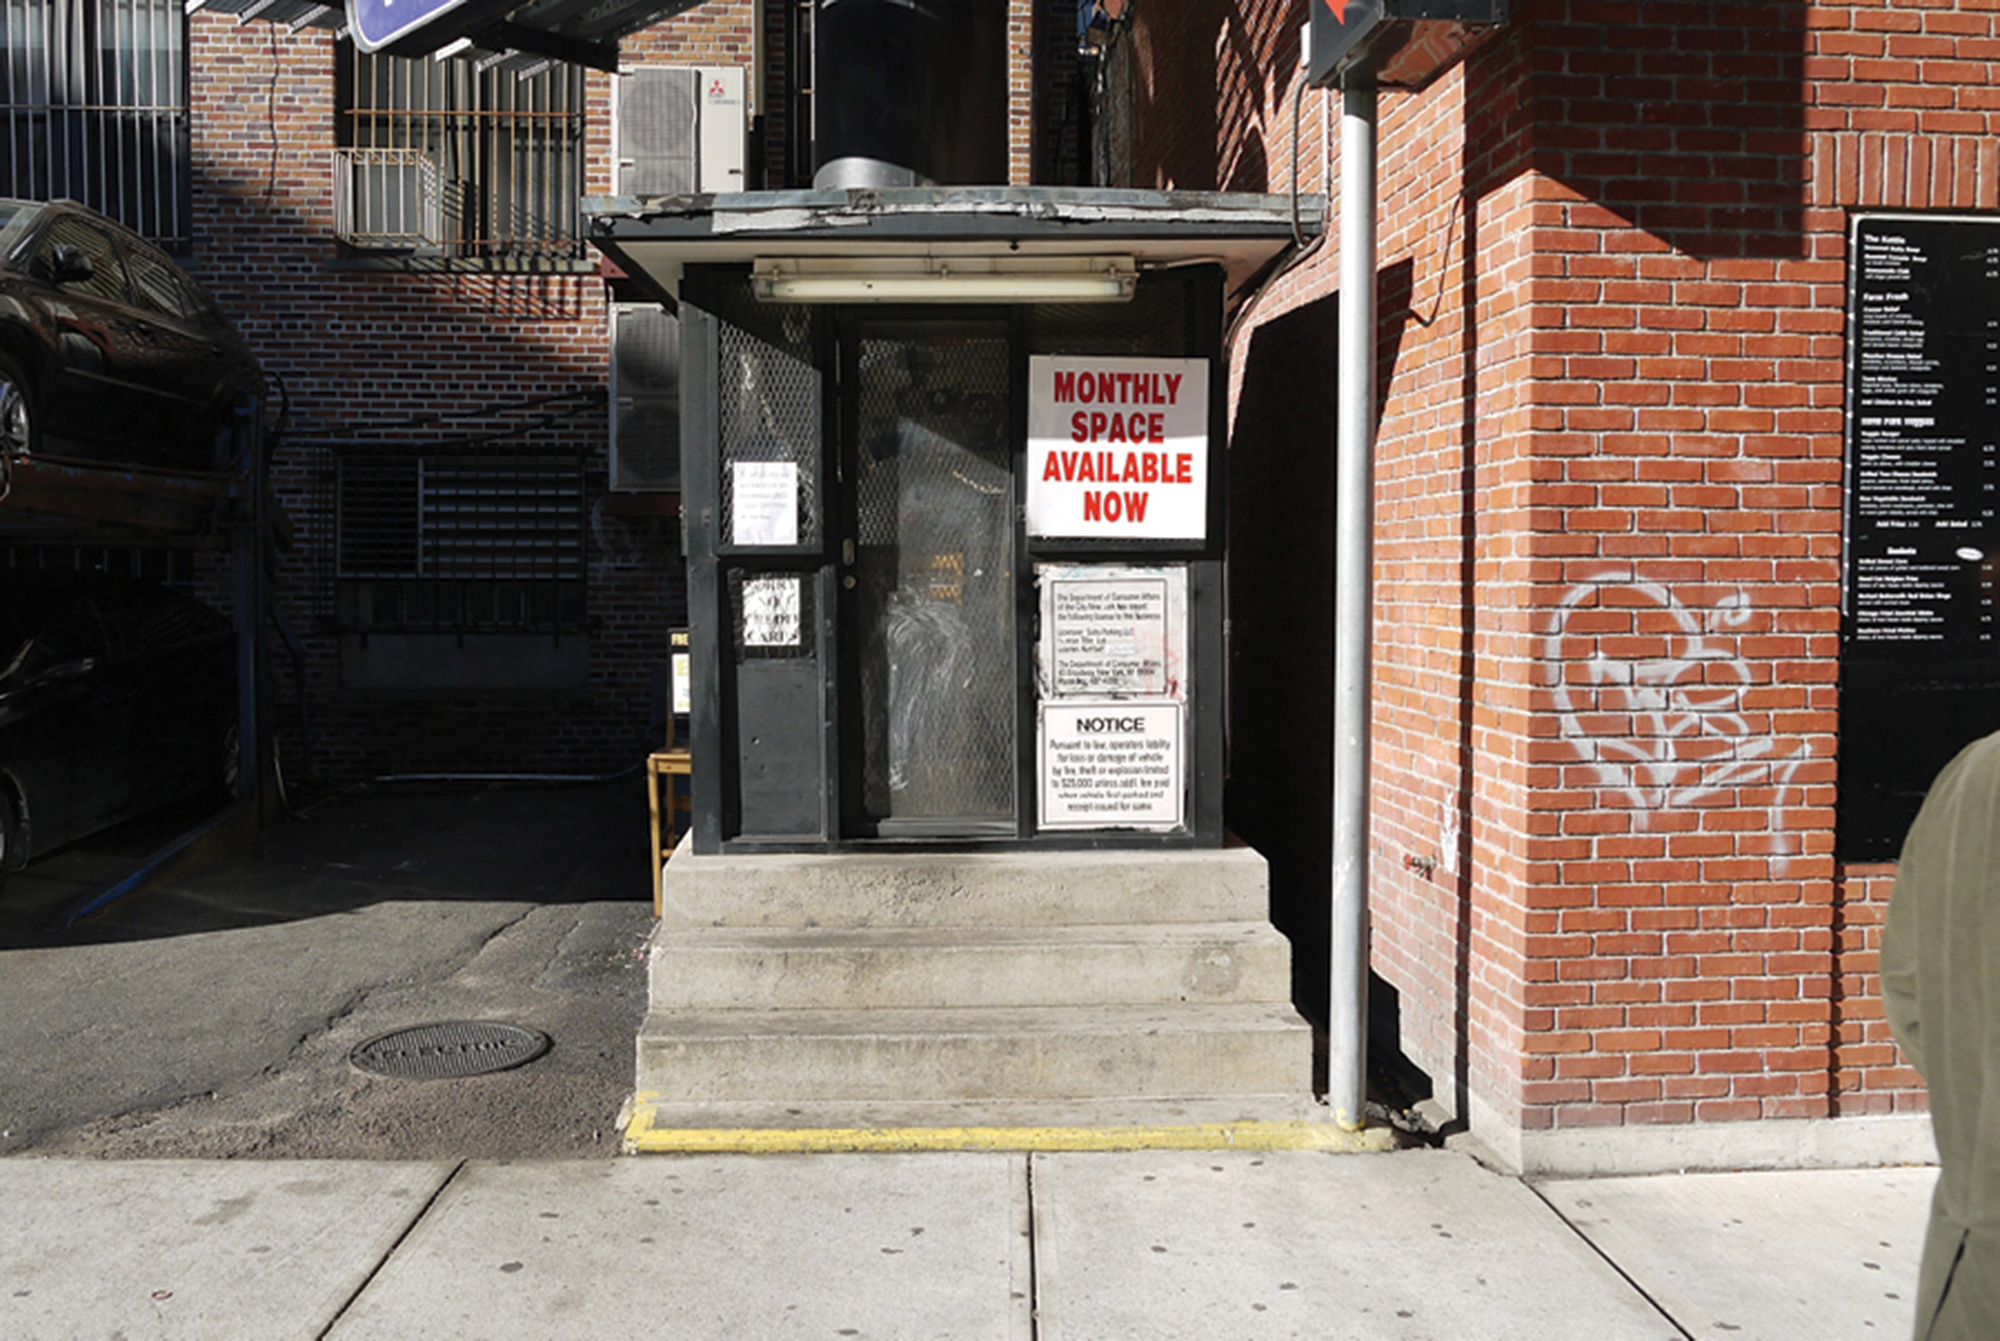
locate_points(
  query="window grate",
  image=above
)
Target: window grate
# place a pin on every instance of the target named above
(94, 97)
(459, 543)
(445, 159)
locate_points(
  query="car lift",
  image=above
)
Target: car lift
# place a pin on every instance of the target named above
(58, 501)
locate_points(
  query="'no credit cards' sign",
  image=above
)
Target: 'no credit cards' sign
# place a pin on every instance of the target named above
(1117, 448)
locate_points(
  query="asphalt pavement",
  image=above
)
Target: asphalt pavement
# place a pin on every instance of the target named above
(192, 1154)
(212, 1013)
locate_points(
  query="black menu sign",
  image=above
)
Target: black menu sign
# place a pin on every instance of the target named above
(1923, 434)
(1920, 659)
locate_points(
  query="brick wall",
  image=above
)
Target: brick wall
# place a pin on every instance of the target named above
(358, 350)
(1612, 267)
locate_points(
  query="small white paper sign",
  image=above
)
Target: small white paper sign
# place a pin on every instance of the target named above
(1112, 630)
(765, 506)
(771, 612)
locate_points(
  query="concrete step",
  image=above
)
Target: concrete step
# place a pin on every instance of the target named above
(1064, 1052)
(734, 968)
(964, 889)
(655, 1117)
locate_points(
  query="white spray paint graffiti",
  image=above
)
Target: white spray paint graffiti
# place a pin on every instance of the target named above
(1685, 736)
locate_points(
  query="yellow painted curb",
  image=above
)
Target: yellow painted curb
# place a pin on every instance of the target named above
(642, 1137)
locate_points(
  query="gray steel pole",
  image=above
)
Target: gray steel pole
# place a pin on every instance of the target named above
(1353, 614)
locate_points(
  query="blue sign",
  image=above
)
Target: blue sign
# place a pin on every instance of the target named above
(374, 24)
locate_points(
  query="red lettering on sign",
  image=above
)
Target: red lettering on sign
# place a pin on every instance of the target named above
(1108, 505)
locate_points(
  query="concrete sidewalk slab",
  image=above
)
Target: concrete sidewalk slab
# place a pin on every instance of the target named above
(1741, 1256)
(1413, 1246)
(714, 1249)
(181, 1249)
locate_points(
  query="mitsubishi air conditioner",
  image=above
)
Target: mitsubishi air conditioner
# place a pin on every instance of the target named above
(680, 130)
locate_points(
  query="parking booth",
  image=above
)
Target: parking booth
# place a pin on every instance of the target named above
(953, 511)
(954, 515)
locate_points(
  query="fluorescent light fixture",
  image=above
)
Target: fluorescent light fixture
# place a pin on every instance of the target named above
(1093, 279)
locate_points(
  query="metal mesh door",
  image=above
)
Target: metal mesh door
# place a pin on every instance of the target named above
(934, 569)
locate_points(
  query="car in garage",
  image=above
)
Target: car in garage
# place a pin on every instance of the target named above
(109, 352)
(116, 696)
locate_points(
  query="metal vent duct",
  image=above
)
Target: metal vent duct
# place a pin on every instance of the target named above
(909, 93)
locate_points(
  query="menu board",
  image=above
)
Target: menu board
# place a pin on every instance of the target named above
(1923, 435)
(1920, 674)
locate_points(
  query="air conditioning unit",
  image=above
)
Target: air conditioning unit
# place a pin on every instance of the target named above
(681, 130)
(388, 198)
(645, 399)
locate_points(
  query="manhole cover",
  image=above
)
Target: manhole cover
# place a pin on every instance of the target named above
(464, 1048)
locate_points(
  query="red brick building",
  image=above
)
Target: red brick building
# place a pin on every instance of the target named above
(1609, 906)
(488, 358)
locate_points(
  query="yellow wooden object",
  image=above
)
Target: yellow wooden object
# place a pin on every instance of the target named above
(676, 805)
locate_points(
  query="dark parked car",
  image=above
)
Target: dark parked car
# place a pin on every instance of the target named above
(116, 696)
(109, 352)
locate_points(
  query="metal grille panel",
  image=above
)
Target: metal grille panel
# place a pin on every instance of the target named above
(657, 111)
(935, 579)
(95, 98)
(645, 397)
(769, 410)
(460, 543)
(440, 155)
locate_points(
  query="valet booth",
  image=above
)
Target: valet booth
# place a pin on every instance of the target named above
(953, 507)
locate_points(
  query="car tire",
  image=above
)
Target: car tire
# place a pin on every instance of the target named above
(20, 423)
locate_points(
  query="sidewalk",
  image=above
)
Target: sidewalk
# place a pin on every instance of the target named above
(1419, 1245)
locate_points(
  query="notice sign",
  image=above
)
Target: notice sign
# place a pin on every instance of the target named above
(1112, 630)
(1111, 765)
(1117, 448)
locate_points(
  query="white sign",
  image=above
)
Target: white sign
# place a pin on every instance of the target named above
(1112, 630)
(1118, 448)
(1111, 765)
(771, 611)
(765, 503)
(683, 678)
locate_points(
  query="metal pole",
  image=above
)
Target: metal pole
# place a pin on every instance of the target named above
(1353, 611)
(247, 550)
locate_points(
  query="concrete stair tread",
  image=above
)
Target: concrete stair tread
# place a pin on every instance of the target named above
(963, 889)
(1019, 1114)
(737, 968)
(975, 1021)
(668, 940)
(1042, 1052)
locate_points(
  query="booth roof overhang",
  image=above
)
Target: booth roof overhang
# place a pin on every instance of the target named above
(1026, 232)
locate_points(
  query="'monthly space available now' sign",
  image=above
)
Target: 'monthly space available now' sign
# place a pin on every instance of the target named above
(1117, 448)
